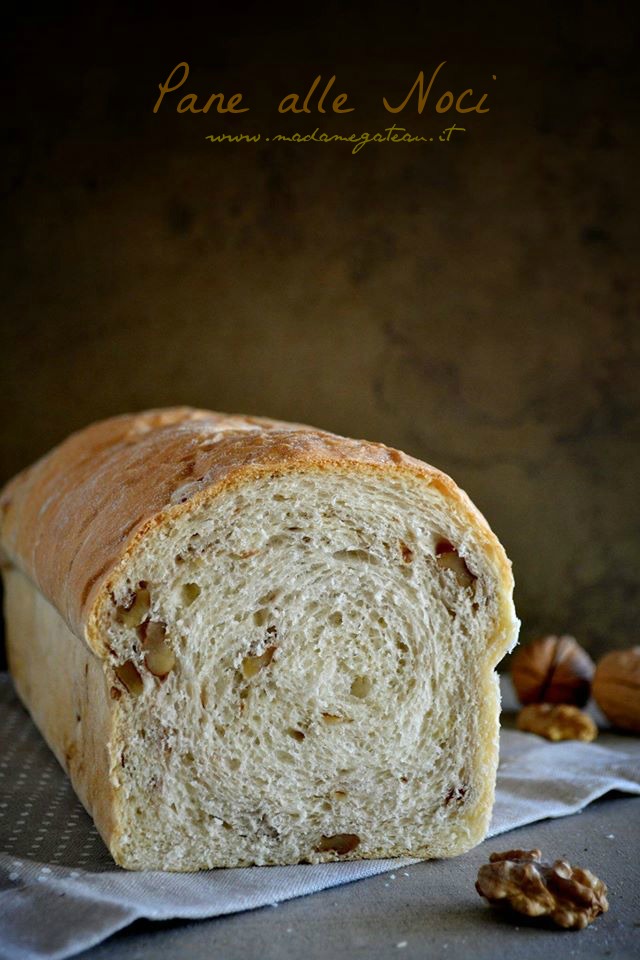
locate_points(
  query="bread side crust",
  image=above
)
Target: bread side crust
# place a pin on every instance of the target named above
(63, 685)
(71, 520)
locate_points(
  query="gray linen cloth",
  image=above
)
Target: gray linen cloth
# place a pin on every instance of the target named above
(61, 893)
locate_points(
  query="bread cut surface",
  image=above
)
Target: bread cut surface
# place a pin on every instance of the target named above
(280, 644)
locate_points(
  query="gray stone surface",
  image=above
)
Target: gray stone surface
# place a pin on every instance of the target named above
(430, 907)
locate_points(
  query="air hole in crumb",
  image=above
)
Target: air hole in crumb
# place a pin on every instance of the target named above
(326, 805)
(127, 673)
(360, 555)
(204, 697)
(444, 546)
(190, 592)
(340, 843)
(296, 734)
(233, 763)
(402, 646)
(383, 623)
(456, 794)
(340, 794)
(475, 607)
(335, 619)
(226, 825)
(360, 687)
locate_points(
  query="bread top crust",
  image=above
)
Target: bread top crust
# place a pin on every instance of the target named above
(71, 519)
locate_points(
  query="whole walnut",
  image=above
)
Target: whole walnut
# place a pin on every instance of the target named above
(616, 688)
(553, 670)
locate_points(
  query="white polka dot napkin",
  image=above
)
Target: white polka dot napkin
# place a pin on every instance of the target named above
(61, 893)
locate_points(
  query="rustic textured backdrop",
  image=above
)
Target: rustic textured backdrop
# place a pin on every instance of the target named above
(473, 303)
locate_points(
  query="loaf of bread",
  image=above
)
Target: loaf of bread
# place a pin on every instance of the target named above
(253, 642)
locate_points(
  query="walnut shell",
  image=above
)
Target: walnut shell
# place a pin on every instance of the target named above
(616, 688)
(553, 670)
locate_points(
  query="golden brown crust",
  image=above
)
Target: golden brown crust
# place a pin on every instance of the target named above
(69, 520)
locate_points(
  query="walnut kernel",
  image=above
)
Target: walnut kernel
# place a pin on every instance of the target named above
(132, 612)
(557, 722)
(570, 896)
(298, 735)
(406, 552)
(159, 658)
(251, 666)
(333, 718)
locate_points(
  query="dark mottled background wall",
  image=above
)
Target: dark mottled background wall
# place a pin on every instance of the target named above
(474, 303)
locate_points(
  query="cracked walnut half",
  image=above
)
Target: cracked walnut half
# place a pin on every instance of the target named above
(570, 896)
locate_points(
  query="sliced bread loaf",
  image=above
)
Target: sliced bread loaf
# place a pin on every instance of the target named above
(251, 642)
